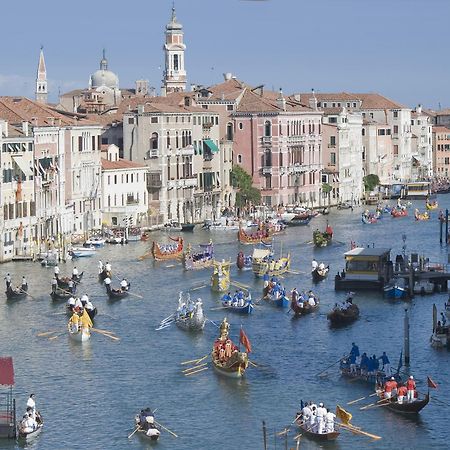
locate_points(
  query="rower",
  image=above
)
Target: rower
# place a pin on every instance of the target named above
(29, 424)
(329, 421)
(32, 404)
(355, 350)
(311, 299)
(56, 271)
(54, 284)
(24, 286)
(84, 300)
(294, 295)
(100, 267)
(321, 266)
(386, 364)
(394, 387)
(71, 286)
(71, 303)
(443, 319)
(411, 388)
(8, 280)
(108, 267)
(401, 393)
(306, 414)
(320, 415)
(388, 389)
(314, 264)
(124, 285)
(89, 306)
(364, 364)
(107, 281)
(227, 298)
(78, 304)
(75, 273)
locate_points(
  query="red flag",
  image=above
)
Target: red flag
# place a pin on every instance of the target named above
(431, 383)
(245, 341)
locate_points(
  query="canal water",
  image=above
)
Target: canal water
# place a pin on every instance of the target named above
(88, 394)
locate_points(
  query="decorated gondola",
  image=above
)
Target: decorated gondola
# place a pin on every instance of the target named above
(256, 237)
(399, 212)
(226, 357)
(421, 216)
(201, 259)
(164, 252)
(189, 315)
(220, 279)
(323, 238)
(16, 293)
(341, 316)
(264, 263)
(431, 206)
(243, 262)
(306, 303)
(238, 305)
(320, 273)
(312, 434)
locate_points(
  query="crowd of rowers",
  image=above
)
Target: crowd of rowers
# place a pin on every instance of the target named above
(223, 349)
(398, 390)
(238, 299)
(22, 288)
(106, 270)
(317, 419)
(358, 364)
(71, 282)
(32, 418)
(304, 298)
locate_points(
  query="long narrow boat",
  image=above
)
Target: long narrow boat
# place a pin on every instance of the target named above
(28, 435)
(319, 274)
(421, 216)
(61, 294)
(226, 357)
(220, 279)
(431, 206)
(399, 212)
(303, 307)
(340, 317)
(253, 238)
(300, 220)
(189, 315)
(82, 252)
(16, 294)
(63, 282)
(308, 432)
(263, 264)
(240, 307)
(115, 294)
(201, 259)
(405, 407)
(164, 252)
(145, 425)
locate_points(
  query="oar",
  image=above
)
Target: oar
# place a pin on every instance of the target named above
(106, 333)
(219, 308)
(375, 404)
(135, 295)
(137, 429)
(26, 292)
(54, 337)
(253, 364)
(329, 367)
(362, 398)
(196, 371)
(194, 367)
(196, 361)
(46, 333)
(358, 431)
(198, 287)
(164, 428)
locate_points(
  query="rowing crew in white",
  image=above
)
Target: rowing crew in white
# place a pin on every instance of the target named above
(318, 419)
(78, 304)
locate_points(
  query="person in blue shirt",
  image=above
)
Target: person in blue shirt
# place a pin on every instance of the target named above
(354, 350)
(364, 363)
(352, 360)
(376, 364)
(386, 364)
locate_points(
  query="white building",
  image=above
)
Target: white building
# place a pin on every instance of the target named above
(124, 190)
(422, 144)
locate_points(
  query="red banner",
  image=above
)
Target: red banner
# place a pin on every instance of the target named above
(431, 383)
(245, 341)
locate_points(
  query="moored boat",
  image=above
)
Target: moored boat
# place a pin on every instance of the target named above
(200, 259)
(225, 355)
(220, 279)
(82, 252)
(396, 289)
(255, 237)
(97, 242)
(164, 252)
(440, 337)
(189, 315)
(423, 287)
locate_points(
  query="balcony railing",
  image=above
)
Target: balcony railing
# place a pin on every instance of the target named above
(154, 180)
(267, 170)
(266, 140)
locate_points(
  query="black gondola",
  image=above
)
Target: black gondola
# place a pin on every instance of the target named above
(104, 274)
(114, 294)
(339, 317)
(63, 282)
(62, 294)
(16, 294)
(319, 274)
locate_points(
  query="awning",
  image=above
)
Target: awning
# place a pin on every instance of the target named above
(23, 165)
(260, 253)
(210, 144)
(6, 371)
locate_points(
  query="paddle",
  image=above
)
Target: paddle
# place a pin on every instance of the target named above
(137, 429)
(362, 398)
(198, 287)
(358, 431)
(385, 400)
(164, 428)
(194, 367)
(46, 333)
(196, 361)
(106, 333)
(54, 337)
(329, 367)
(26, 292)
(253, 364)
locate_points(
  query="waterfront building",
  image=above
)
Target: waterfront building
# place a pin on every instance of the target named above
(421, 145)
(17, 193)
(124, 190)
(441, 151)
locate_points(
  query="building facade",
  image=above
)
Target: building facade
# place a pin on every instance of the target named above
(441, 152)
(422, 144)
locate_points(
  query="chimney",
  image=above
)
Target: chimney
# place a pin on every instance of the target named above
(3, 128)
(25, 127)
(141, 109)
(34, 121)
(193, 87)
(419, 109)
(281, 101)
(228, 76)
(297, 97)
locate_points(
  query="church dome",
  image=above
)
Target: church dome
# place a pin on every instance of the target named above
(105, 78)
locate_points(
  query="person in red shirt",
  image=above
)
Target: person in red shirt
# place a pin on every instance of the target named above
(401, 392)
(411, 387)
(394, 386)
(388, 389)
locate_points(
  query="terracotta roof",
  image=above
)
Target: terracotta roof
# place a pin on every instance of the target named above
(377, 101)
(173, 103)
(441, 130)
(228, 90)
(121, 164)
(19, 109)
(442, 112)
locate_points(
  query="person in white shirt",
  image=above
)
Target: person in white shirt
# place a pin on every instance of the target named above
(32, 405)
(89, 306)
(314, 264)
(100, 266)
(71, 303)
(321, 413)
(312, 300)
(321, 266)
(54, 284)
(78, 304)
(329, 421)
(84, 299)
(124, 285)
(107, 280)
(306, 412)
(56, 269)
(312, 417)
(75, 272)
(108, 267)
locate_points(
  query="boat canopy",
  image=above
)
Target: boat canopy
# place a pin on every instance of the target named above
(260, 253)
(6, 371)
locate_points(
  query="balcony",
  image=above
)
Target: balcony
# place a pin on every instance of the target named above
(266, 140)
(190, 182)
(267, 170)
(187, 151)
(295, 140)
(132, 201)
(154, 180)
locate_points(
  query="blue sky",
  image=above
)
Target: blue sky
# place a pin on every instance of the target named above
(398, 48)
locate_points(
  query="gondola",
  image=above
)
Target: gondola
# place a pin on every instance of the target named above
(201, 259)
(339, 317)
(61, 294)
(17, 293)
(189, 315)
(306, 308)
(104, 274)
(225, 355)
(63, 282)
(115, 294)
(319, 274)
(165, 252)
(253, 238)
(405, 407)
(233, 306)
(26, 435)
(300, 220)
(331, 436)
(145, 425)
(421, 216)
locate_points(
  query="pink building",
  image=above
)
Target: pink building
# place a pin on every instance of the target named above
(279, 142)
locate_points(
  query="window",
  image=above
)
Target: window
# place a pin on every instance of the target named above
(154, 141)
(395, 150)
(230, 107)
(115, 179)
(130, 120)
(395, 114)
(268, 128)
(154, 120)
(371, 115)
(175, 62)
(241, 125)
(395, 129)
(332, 119)
(80, 143)
(332, 141)
(168, 139)
(381, 132)
(333, 158)
(114, 220)
(229, 131)
(363, 131)
(239, 159)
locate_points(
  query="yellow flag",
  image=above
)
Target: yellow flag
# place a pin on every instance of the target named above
(342, 414)
(85, 319)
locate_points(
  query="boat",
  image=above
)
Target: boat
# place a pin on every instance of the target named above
(300, 220)
(145, 425)
(188, 227)
(396, 288)
(302, 305)
(201, 259)
(79, 334)
(308, 432)
(220, 279)
(263, 263)
(61, 294)
(115, 294)
(280, 300)
(399, 212)
(133, 234)
(50, 261)
(323, 238)
(28, 434)
(164, 252)
(95, 241)
(340, 317)
(240, 307)
(368, 218)
(224, 224)
(63, 282)
(431, 206)
(441, 331)
(421, 216)
(423, 287)
(104, 274)
(226, 357)
(189, 315)
(172, 225)
(114, 239)
(244, 262)
(319, 274)
(255, 237)
(82, 252)
(16, 293)
(405, 407)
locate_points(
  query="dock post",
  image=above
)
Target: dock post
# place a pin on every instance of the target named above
(440, 231)
(264, 434)
(446, 226)
(406, 338)
(411, 280)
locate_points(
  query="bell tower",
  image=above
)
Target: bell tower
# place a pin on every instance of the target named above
(174, 73)
(41, 93)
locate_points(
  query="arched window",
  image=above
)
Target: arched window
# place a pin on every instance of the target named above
(154, 141)
(177, 141)
(268, 129)
(190, 138)
(229, 131)
(168, 139)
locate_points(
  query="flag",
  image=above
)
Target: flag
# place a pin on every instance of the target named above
(243, 339)
(342, 414)
(431, 383)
